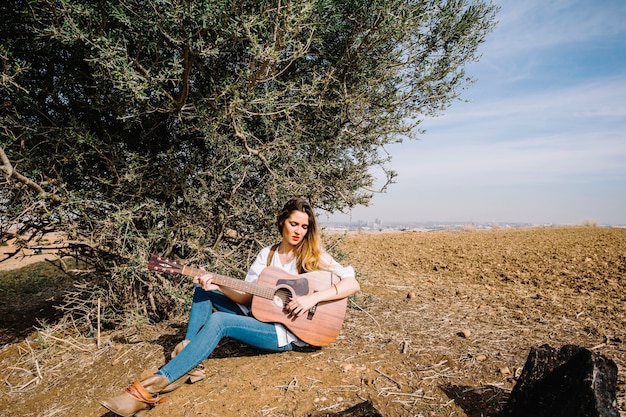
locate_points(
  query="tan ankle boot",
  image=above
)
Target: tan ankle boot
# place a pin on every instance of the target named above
(139, 396)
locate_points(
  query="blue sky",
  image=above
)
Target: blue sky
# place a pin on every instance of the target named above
(542, 136)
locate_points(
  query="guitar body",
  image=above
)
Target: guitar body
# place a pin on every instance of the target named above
(323, 322)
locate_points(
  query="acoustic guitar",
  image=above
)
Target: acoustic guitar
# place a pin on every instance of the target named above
(273, 291)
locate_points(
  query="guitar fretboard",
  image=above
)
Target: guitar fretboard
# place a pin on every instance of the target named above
(236, 284)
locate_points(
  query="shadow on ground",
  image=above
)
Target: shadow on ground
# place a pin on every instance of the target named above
(486, 401)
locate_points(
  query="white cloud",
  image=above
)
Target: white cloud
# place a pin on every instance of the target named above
(594, 103)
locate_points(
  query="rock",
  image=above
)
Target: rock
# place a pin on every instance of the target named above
(346, 367)
(568, 382)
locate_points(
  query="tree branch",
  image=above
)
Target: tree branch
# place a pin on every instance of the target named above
(184, 89)
(12, 173)
(250, 150)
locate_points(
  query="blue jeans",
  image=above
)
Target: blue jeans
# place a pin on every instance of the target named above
(207, 327)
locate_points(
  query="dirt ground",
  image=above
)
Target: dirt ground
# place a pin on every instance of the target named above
(442, 327)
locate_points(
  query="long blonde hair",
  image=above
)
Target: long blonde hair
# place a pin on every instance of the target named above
(309, 251)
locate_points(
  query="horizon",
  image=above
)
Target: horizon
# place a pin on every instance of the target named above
(460, 224)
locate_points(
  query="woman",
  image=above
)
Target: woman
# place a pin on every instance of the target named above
(218, 311)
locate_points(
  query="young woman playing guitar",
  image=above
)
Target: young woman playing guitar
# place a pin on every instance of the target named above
(220, 310)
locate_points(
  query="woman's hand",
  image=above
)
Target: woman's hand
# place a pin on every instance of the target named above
(300, 305)
(205, 282)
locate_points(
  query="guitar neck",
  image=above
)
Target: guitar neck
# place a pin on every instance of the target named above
(235, 284)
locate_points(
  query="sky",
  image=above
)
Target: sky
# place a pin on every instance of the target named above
(539, 138)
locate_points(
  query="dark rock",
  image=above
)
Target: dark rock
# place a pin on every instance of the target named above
(569, 382)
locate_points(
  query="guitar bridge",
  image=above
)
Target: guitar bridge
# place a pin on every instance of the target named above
(311, 312)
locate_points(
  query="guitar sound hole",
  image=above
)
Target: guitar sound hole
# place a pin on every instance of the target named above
(281, 297)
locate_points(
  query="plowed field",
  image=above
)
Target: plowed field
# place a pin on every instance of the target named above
(442, 326)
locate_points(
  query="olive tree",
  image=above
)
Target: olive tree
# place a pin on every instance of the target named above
(180, 127)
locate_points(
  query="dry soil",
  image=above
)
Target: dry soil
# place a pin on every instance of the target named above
(442, 327)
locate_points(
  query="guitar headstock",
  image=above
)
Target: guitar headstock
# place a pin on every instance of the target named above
(161, 264)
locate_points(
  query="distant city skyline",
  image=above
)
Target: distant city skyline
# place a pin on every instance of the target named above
(542, 137)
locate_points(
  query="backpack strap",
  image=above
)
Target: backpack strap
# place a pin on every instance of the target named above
(271, 255)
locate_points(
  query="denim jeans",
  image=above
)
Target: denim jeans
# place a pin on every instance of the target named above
(207, 327)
